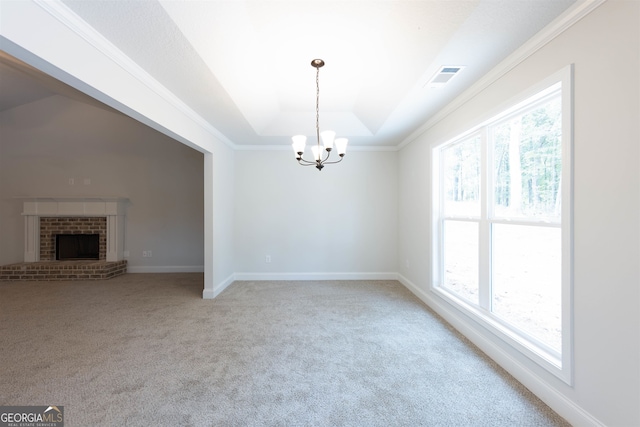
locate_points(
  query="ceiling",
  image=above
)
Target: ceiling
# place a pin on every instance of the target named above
(244, 66)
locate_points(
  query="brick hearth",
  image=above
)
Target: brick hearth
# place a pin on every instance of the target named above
(63, 270)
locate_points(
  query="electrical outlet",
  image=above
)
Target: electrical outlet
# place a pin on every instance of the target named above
(146, 254)
(72, 181)
(267, 259)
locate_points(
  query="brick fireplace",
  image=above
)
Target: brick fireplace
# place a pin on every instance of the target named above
(51, 227)
(73, 215)
(47, 217)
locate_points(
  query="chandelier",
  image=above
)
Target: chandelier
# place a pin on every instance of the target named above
(328, 136)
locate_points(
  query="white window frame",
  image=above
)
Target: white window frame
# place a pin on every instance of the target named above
(559, 364)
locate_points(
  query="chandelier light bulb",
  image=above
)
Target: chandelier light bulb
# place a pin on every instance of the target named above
(327, 139)
(317, 152)
(341, 146)
(299, 142)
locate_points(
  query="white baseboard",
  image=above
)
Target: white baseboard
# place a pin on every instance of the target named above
(212, 293)
(557, 401)
(316, 276)
(166, 269)
(217, 289)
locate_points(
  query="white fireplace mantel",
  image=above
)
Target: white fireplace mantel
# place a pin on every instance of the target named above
(112, 208)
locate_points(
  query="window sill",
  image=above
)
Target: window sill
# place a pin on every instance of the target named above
(536, 352)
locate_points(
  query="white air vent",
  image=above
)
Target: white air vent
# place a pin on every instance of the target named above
(444, 75)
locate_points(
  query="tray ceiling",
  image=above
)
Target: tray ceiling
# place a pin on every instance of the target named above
(244, 66)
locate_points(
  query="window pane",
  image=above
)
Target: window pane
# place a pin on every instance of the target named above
(461, 259)
(462, 178)
(526, 278)
(527, 158)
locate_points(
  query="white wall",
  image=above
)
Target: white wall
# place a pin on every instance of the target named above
(221, 219)
(336, 223)
(48, 142)
(605, 47)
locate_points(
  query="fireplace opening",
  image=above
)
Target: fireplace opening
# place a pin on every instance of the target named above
(77, 246)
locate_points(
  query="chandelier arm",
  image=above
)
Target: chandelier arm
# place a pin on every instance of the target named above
(326, 158)
(333, 163)
(305, 162)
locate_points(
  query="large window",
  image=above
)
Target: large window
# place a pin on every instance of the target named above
(502, 224)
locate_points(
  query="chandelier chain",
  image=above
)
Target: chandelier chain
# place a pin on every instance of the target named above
(318, 105)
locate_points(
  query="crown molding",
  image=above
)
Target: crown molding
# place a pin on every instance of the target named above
(76, 24)
(239, 147)
(537, 42)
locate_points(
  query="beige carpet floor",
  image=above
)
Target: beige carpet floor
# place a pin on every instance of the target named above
(146, 350)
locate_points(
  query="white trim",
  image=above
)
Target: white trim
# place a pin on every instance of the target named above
(537, 352)
(165, 269)
(112, 209)
(316, 276)
(537, 42)
(561, 367)
(208, 294)
(72, 21)
(288, 148)
(565, 407)
(217, 290)
(31, 238)
(209, 233)
(567, 220)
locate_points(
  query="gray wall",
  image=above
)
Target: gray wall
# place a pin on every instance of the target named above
(47, 142)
